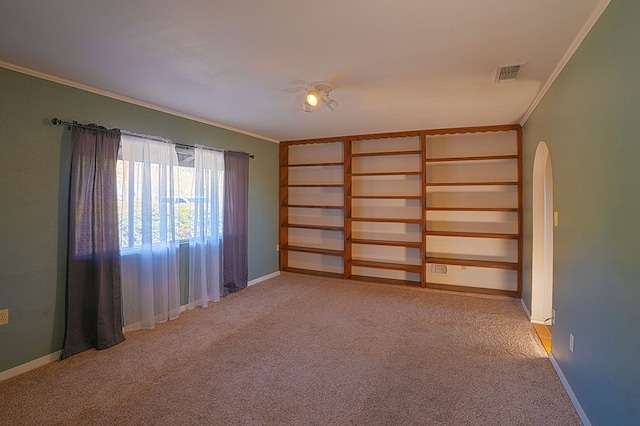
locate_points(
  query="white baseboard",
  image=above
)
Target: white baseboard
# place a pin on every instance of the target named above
(36, 363)
(263, 278)
(572, 396)
(524, 306)
(31, 365)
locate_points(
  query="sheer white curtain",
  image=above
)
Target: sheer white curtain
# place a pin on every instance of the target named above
(205, 253)
(149, 247)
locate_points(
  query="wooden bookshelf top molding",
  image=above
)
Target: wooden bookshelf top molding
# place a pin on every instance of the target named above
(386, 265)
(472, 235)
(477, 263)
(474, 158)
(318, 227)
(477, 129)
(408, 244)
(385, 153)
(310, 206)
(327, 163)
(316, 250)
(406, 134)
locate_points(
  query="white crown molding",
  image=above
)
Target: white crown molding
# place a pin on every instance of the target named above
(567, 56)
(116, 96)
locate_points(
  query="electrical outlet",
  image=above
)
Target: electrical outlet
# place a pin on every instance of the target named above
(277, 247)
(4, 316)
(571, 340)
(555, 219)
(553, 317)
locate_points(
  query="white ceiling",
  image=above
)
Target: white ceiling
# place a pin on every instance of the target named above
(401, 65)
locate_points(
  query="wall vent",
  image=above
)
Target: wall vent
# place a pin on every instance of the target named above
(508, 73)
(437, 269)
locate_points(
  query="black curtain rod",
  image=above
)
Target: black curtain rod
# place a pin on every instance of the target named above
(70, 124)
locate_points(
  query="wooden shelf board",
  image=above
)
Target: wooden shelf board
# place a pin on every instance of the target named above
(473, 209)
(510, 183)
(385, 197)
(384, 220)
(309, 206)
(472, 234)
(316, 250)
(470, 262)
(315, 185)
(319, 227)
(328, 163)
(312, 272)
(409, 244)
(385, 153)
(471, 158)
(386, 265)
(385, 281)
(474, 290)
(387, 173)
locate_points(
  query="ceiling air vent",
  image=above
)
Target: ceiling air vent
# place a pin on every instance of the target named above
(507, 74)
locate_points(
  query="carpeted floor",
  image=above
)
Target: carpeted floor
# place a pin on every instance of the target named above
(303, 350)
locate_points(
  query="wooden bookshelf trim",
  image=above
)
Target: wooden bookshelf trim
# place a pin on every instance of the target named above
(385, 153)
(475, 290)
(312, 206)
(476, 263)
(329, 163)
(315, 250)
(315, 185)
(476, 183)
(318, 227)
(474, 209)
(385, 220)
(472, 235)
(408, 244)
(474, 158)
(312, 272)
(387, 281)
(386, 197)
(399, 173)
(387, 265)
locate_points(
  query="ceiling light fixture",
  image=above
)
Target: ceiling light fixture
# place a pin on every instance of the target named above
(317, 91)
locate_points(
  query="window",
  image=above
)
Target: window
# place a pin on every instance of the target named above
(172, 188)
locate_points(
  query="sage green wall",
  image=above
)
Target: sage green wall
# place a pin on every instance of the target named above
(33, 195)
(590, 120)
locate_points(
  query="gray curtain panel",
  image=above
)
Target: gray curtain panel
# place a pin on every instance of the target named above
(93, 312)
(235, 234)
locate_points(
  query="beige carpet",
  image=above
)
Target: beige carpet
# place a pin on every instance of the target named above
(302, 350)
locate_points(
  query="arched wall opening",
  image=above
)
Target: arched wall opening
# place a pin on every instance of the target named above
(542, 261)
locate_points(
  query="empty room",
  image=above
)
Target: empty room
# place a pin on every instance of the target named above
(287, 212)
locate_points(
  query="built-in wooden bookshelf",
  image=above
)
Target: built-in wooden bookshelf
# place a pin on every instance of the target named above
(311, 209)
(433, 208)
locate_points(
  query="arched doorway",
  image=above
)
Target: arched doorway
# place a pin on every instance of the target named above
(543, 222)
